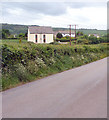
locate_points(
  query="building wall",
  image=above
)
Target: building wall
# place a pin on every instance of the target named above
(49, 38)
(72, 35)
(39, 38)
(32, 38)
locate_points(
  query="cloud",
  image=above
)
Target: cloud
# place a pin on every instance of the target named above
(55, 13)
(49, 8)
(86, 4)
(15, 11)
(37, 7)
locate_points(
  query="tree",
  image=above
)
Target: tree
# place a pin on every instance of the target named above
(82, 41)
(93, 39)
(26, 34)
(103, 40)
(21, 35)
(85, 36)
(79, 33)
(5, 33)
(59, 35)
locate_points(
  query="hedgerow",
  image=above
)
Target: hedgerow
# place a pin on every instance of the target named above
(26, 62)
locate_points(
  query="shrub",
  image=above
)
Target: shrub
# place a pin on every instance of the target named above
(65, 39)
(59, 35)
(40, 63)
(21, 72)
(32, 67)
(82, 41)
(51, 61)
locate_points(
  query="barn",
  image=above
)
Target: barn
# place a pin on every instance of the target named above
(40, 34)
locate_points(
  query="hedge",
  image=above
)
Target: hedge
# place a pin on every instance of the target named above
(26, 62)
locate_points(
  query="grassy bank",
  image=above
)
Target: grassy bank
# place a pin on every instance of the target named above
(23, 63)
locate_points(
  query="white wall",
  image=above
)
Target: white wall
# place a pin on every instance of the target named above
(31, 37)
(72, 35)
(48, 37)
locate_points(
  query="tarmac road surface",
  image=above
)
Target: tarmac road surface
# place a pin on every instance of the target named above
(77, 93)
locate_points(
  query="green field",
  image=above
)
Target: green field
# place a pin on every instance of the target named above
(12, 41)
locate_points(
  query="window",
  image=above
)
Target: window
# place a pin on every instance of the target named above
(36, 38)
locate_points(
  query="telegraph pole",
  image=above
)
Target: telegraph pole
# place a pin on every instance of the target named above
(70, 32)
(75, 34)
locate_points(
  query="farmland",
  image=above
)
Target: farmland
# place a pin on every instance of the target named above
(25, 62)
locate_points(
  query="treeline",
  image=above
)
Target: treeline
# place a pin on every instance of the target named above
(15, 29)
(5, 34)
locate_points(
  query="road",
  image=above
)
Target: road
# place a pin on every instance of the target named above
(77, 93)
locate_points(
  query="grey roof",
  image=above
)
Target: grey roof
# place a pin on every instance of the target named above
(40, 30)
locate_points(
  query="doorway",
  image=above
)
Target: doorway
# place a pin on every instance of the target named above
(36, 39)
(44, 40)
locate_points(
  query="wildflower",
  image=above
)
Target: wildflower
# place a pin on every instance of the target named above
(82, 56)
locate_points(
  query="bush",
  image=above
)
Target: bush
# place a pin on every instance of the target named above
(93, 40)
(32, 67)
(65, 39)
(40, 63)
(82, 41)
(59, 35)
(21, 72)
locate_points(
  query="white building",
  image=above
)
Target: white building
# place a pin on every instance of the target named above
(66, 33)
(40, 34)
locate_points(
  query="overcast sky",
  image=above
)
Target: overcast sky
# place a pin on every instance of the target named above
(56, 14)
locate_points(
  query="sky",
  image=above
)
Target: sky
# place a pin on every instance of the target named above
(85, 14)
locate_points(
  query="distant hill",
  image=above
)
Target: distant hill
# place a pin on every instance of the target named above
(16, 29)
(93, 31)
(85, 31)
